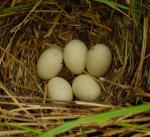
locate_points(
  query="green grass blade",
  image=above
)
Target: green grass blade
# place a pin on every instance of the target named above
(114, 4)
(99, 118)
(27, 5)
(134, 126)
(9, 136)
(19, 7)
(148, 78)
(16, 126)
(15, 8)
(136, 10)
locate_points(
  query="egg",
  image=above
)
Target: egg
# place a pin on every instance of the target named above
(85, 88)
(50, 63)
(59, 89)
(98, 60)
(74, 55)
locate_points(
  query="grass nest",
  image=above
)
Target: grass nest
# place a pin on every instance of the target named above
(29, 27)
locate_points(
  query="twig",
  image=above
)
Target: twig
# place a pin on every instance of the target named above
(145, 37)
(15, 100)
(26, 19)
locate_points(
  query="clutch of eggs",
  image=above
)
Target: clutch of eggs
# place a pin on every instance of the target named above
(77, 58)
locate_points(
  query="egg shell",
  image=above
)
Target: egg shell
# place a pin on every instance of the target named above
(86, 89)
(59, 89)
(74, 55)
(50, 63)
(98, 60)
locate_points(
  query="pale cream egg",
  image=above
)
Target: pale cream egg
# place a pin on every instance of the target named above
(98, 60)
(74, 55)
(50, 63)
(59, 89)
(85, 88)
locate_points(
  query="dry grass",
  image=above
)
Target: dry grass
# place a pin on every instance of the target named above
(26, 33)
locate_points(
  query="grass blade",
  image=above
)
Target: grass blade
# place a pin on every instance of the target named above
(16, 126)
(19, 7)
(9, 136)
(114, 4)
(99, 118)
(134, 126)
(136, 11)
(15, 8)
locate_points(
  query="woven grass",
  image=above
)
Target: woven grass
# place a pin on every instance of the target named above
(29, 27)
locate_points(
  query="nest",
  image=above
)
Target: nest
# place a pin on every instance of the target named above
(26, 32)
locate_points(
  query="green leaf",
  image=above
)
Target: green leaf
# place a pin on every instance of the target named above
(134, 126)
(114, 4)
(21, 6)
(148, 77)
(16, 126)
(136, 11)
(99, 118)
